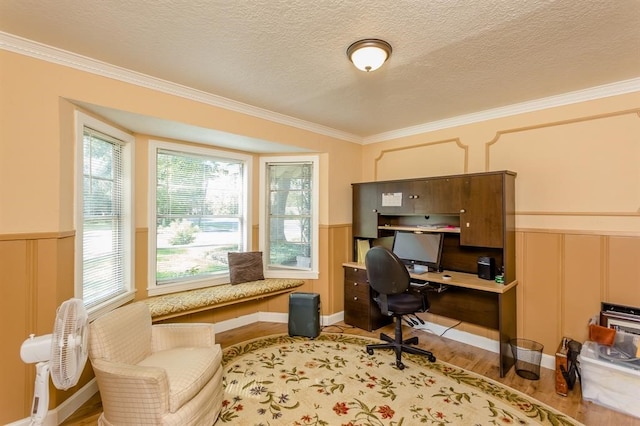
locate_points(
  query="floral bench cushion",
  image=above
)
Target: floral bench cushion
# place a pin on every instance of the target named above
(190, 301)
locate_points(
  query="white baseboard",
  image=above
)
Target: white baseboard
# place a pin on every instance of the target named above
(236, 322)
(275, 317)
(68, 407)
(485, 343)
(332, 319)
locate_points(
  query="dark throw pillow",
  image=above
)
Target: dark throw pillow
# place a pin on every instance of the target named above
(245, 266)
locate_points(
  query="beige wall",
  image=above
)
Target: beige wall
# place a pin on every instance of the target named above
(578, 200)
(577, 204)
(37, 140)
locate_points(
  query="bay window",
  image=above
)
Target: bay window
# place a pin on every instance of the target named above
(289, 216)
(198, 213)
(104, 215)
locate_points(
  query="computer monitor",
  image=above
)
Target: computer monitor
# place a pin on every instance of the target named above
(419, 251)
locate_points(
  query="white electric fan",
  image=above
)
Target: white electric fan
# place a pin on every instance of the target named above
(61, 355)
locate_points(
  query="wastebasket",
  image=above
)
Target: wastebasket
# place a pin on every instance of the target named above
(527, 355)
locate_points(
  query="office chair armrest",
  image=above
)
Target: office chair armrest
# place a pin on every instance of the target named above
(381, 299)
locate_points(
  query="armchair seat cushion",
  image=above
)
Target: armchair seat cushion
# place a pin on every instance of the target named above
(187, 370)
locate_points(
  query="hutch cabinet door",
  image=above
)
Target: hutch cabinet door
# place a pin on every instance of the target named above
(438, 196)
(395, 198)
(482, 212)
(365, 214)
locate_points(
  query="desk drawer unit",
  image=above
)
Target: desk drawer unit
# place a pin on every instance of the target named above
(360, 310)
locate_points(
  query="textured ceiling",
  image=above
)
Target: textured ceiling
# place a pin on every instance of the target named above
(450, 57)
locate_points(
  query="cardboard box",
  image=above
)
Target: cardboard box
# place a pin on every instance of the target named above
(607, 383)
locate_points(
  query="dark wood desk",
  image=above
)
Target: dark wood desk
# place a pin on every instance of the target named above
(467, 298)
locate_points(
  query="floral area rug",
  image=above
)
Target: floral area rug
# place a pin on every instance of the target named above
(331, 380)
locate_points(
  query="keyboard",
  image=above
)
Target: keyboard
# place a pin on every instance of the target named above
(426, 285)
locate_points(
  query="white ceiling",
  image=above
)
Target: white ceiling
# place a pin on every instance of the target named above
(450, 57)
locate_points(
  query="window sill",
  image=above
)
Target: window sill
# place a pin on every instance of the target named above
(293, 274)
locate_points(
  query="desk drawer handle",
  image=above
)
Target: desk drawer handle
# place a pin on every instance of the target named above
(355, 284)
(355, 297)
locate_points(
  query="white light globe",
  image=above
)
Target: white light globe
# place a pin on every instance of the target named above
(369, 54)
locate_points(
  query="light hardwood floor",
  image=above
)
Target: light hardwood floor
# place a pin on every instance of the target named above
(459, 354)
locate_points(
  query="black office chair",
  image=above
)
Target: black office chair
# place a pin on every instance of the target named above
(389, 278)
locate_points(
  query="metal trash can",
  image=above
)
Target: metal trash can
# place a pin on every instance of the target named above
(527, 355)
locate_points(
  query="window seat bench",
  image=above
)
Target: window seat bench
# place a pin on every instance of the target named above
(187, 302)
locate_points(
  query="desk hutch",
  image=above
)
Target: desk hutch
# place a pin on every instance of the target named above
(476, 214)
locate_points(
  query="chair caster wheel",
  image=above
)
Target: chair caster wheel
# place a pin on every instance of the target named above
(400, 365)
(431, 358)
(370, 351)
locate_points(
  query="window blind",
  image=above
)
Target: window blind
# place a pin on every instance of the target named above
(103, 218)
(289, 211)
(199, 214)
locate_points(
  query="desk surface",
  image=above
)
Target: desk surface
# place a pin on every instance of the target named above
(458, 279)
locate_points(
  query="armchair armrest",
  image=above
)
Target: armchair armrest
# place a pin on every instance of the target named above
(168, 336)
(131, 392)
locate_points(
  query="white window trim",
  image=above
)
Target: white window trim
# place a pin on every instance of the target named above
(313, 273)
(154, 145)
(83, 120)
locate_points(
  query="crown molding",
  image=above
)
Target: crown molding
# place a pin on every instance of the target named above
(598, 92)
(47, 53)
(41, 51)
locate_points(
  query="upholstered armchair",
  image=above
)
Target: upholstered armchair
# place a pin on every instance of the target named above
(165, 374)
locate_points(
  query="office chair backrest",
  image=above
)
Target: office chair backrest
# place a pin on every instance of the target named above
(386, 272)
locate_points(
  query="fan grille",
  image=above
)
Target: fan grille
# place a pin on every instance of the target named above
(69, 344)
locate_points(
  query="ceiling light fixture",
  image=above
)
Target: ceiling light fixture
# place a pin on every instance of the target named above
(369, 54)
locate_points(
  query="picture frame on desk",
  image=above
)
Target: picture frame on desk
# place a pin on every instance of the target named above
(363, 247)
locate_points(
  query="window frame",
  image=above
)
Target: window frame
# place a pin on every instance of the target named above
(83, 120)
(291, 272)
(153, 288)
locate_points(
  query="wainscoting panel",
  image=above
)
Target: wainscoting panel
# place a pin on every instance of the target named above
(340, 250)
(37, 276)
(623, 271)
(563, 277)
(15, 297)
(539, 279)
(582, 277)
